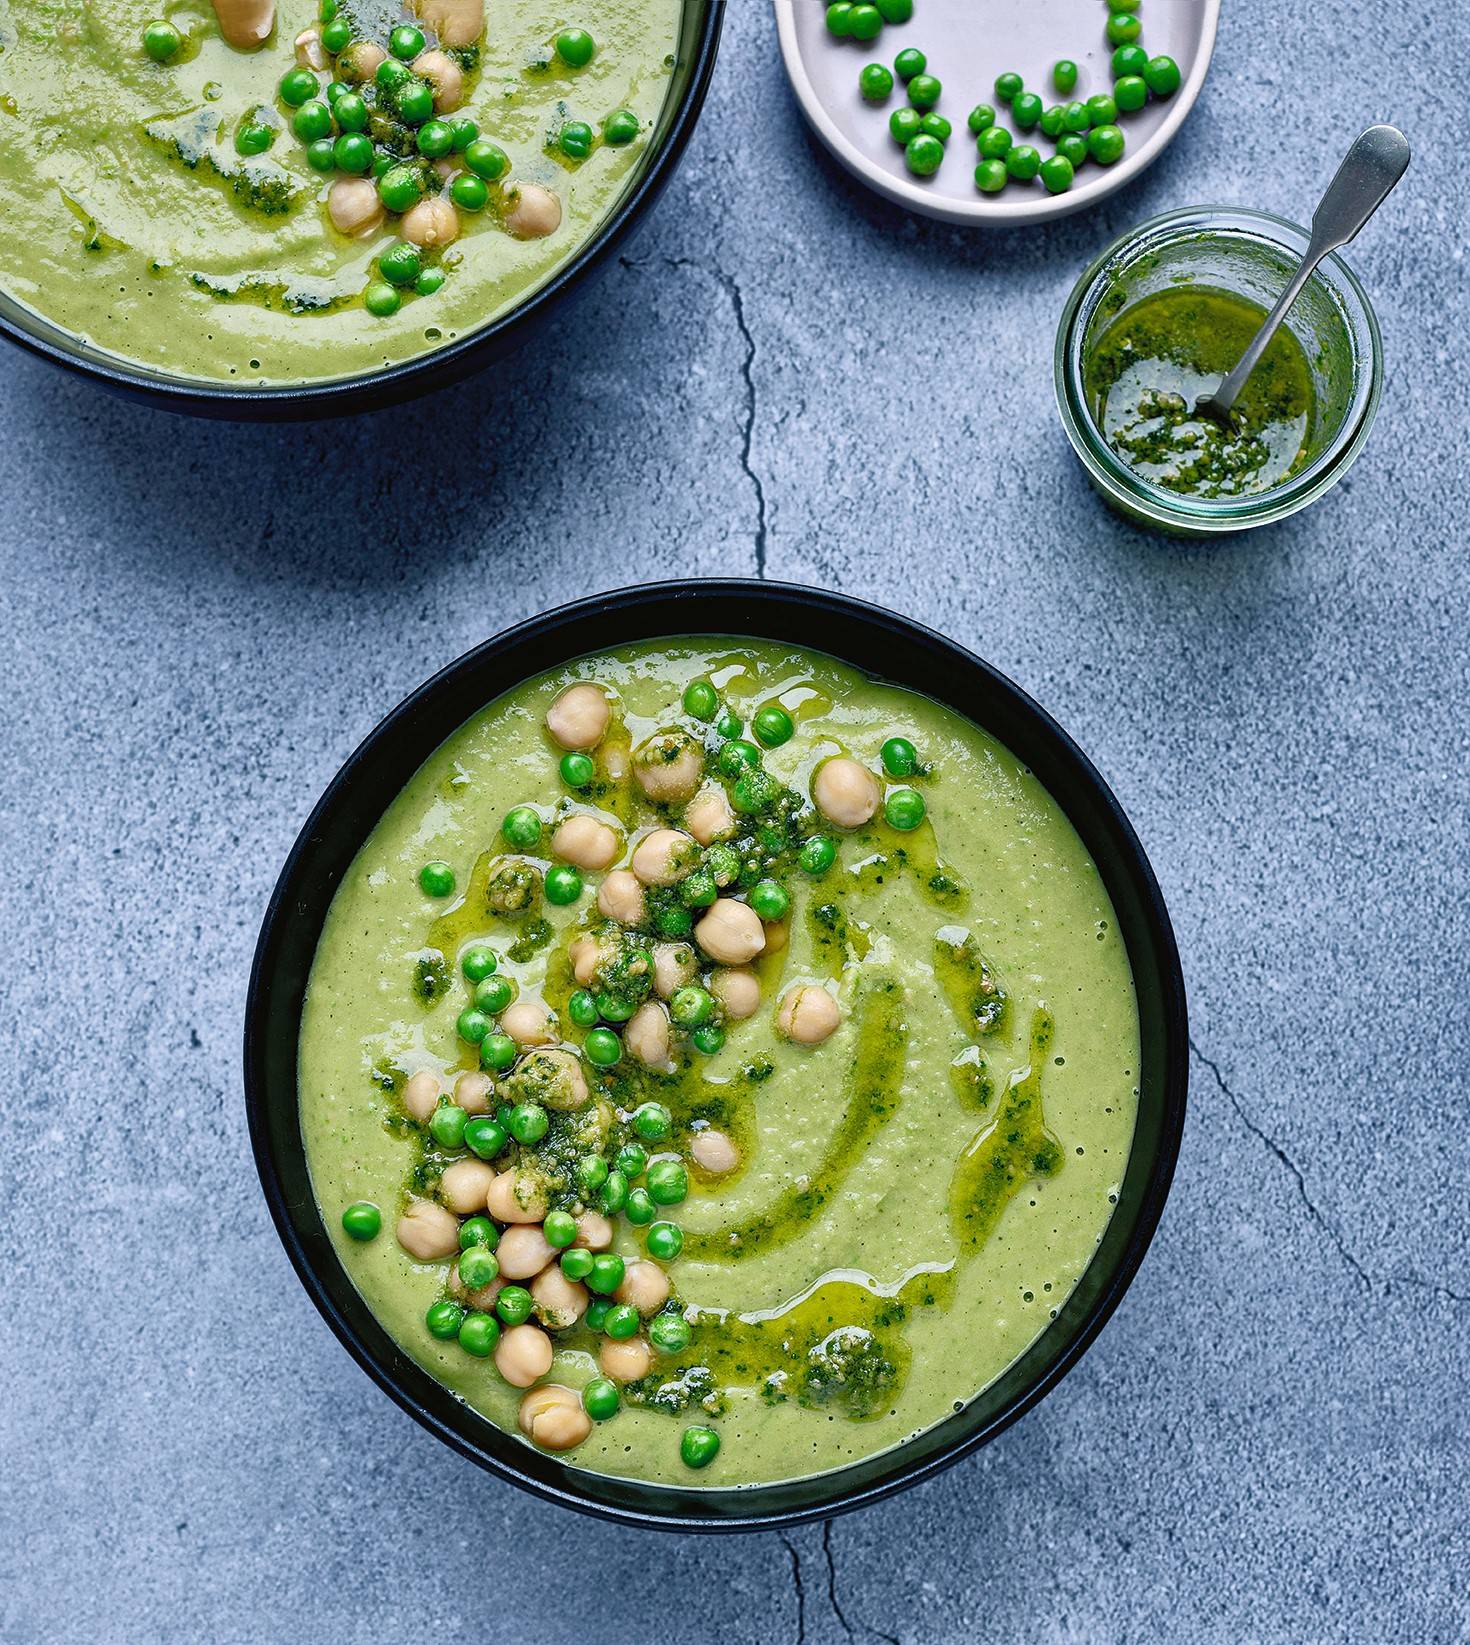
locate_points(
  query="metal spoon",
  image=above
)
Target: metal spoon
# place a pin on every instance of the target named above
(1364, 180)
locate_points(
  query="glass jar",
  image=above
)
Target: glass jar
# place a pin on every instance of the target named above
(1252, 255)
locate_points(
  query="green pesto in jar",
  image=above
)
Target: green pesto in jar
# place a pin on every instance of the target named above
(916, 1196)
(1143, 375)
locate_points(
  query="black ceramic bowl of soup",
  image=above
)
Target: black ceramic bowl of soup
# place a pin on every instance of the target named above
(965, 1151)
(159, 250)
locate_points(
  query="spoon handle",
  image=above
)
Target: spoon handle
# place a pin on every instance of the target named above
(1364, 179)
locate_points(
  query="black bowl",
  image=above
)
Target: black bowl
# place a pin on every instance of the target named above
(699, 36)
(882, 644)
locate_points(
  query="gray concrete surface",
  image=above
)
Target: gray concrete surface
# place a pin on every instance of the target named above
(1269, 1443)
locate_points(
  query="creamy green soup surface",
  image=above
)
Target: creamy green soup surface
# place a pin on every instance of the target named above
(144, 217)
(833, 1096)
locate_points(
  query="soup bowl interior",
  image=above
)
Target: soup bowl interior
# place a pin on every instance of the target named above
(699, 33)
(885, 646)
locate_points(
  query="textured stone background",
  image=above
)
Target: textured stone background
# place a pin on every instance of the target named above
(1269, 1442)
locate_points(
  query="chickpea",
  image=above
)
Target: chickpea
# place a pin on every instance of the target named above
(528, 1022)
(444, 75)
(516, 1197)
(620, 897)
(465, 1184)
(531, 213)
(807, 1014)
(483, 1297)
(594, 1231)
(523, 1251)
(456, 22)
(245, 24)
(579, 717)
(354, 207)
(421, 1095)
(709, 817)
(714, 1152)
(845, 792)
(431, 223)
(624, 1361)
(730, 933)
(553, 1418)
(645, 1285)
(473, 1091)
(668, 767)
(584, 955)
(560, 1301)
(673, 965)
(360, 61)
(664, 857)
(552, 1077)
(778, 934)
(523, 1355)
(647, 1036)
(310, 52)
(427, 1231)
(586, 842)
(738, 991)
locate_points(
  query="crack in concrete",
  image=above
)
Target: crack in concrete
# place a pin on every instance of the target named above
(1369, 1282)
(796, 1583)
(837, 1611)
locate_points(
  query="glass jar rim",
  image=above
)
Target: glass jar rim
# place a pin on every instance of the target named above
(1200, 515)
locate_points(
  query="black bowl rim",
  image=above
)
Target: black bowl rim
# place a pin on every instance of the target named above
(438, 368)
(706, 596)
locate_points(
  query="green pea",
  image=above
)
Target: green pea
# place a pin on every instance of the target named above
(400, 266)
(1026, 110)
(698, 890)
(737, 756)
(620, 128)
(514, 1304)
(563, 882)
(621, 1321)
(253, 138)
(321, 155)
(479, 1334)
(1161, 75)
(575, 47)
(336, 90)
(755, 790)
(493, 994)
(698, 1447)
(400, 187)
(1056, 174)
(1007, 86)
(817, 854)
(390, 75)
(773, 726)
(723, 863)
(429, 282)
(606, 1274)
(904, 807)
(406, 41)
(582, 1009)
(521, 828)
(484, 1136)
(1122, 30)
(701, 701)
(528, 1122)
(895, 11)
(444, 1319)
(559, 1228)
(477, 1267)
(576, 1264)
(353, 153)
(1074, 117)
(638, 1208)
(899, 756)
(382, 163)
(909, 62)
(632, 1160)
(690, 1006)
(1106, 144)
(1123, 5)
(600, 1399)
(436, 879)
(652, 1121)
(446, 1125)
(1101, 110)
(435, 138)
(935, 125)
(472, 1025)
(362, 1220)
(770, 900)
(1129, 59)
(414, 102)
(709, 1039)
(162, 41)
(925, 91)
(351, 112)
(839, 19)
(497, 1051)
(1064, 76)
(866, 23)
(336, 34)
(326, 11)
(994, 143)
(478, 1231)
(577, 770)
(465, 132)
(575, 139)
(1022, 163)
(381, 299)
(668, 1182)
(603, 1047)
(296, 86)
(478, 962)
(1130, 93)
(592, 1172)
(1051, 120)
(597, 1312)
(665, 1240)
(1073, 148)
(991, 176)
(613, 1194)
(669, 1333)
(875, 83)
(729, 724)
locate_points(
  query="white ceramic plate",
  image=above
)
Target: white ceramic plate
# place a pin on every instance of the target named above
(969, 42)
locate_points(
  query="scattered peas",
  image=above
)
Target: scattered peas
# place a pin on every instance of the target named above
(576, 1264)
(1026, 109)
(638, 1208)
(1007, 86)
(406, 41)
(514, 1304)
(991, 176)
(773, 726)
(668, 1182)
(477, 1267)
(770, 900)
(575, 47)
(839, 19)
(390, 74)
(632, 1160)
(400, 266)
(1101, 110)
(1122, 30)
(1051, 120)
(606, 1273)
(253, 138)
(493, 994)
(699, 1447)
(904, 807)
(909, 62)
(1073, 148)
(925, 91)
(1064, 76)
(435, 139)
(652, 1121)
(312, 121)
(336, 35)
(353, 153)
(480, 1333)
(429, 282)
(478, 962)
(689, 1007)
(351, 111)
(1022, 162)
(669, 1333)
(436, 879)
(362, 1220)
(1161, 75)
(621, 1321)
(597, 1311)
(603, 1047)
(729, 724)
(1056, 174)
(478, 1231)
(575, 139)
(994, 143)
(935, 125)
(664, 1240)
(924, 155)
(162, 41)
(521, 828)
(563, 882)
(817, 854)
(400, 187)
(577, 770)
(446, 1125)
(296, 86)
(865, 23)
(708, 1039)
(484, 1136)
(1130, 93)
(444, 1319)
(582, 1009)
(875, 83)
(472, 1025)
(982, 117)
(1129, 59)
(1106, 144)
(1074, 117)
(701, 701)
(469, 193)
(529, 1122)
(414, 102)
(620, 128)
(895, 11)
(600, 1399)
(559, 1229)
(465, 132)
(497, 1052)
